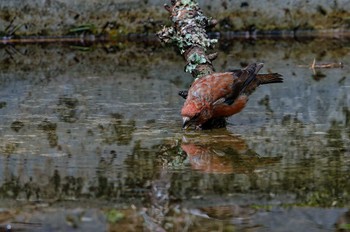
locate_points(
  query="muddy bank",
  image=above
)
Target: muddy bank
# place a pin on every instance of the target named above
(118, 17)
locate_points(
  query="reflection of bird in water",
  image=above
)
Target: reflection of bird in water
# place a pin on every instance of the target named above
(223, 154)
(343, 223)
(201, 159)
(222, 94)
(233, 212)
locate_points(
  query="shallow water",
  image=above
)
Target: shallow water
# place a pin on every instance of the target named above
(91, 139)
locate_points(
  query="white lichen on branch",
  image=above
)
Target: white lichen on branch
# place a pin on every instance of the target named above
(189, 35)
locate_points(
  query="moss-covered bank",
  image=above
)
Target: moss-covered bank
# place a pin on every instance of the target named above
(116, 17)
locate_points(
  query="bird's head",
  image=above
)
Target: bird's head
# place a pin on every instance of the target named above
(194, 113)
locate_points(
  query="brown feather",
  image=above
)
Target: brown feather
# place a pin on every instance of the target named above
(269, 78)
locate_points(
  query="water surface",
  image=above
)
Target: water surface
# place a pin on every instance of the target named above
(91, 139)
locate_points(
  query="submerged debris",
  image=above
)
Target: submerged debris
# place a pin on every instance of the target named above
(314, 65)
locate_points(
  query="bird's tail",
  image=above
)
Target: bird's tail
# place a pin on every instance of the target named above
(269, 78)
(254, 79)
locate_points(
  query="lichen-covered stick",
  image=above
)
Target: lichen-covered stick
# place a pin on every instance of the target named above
(189, 34)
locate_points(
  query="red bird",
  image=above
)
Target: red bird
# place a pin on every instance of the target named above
(221, 95)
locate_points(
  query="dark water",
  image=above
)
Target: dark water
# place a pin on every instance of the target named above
(91, 140)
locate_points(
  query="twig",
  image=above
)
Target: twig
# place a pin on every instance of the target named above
(314, 65)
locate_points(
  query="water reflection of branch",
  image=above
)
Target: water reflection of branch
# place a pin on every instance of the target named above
(224, 154)
(118, 130)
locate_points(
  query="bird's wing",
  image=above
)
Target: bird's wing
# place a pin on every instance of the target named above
(211, 87)
(244, 79)
(219, 88)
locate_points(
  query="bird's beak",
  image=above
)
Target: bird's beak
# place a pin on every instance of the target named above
(185, 122)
